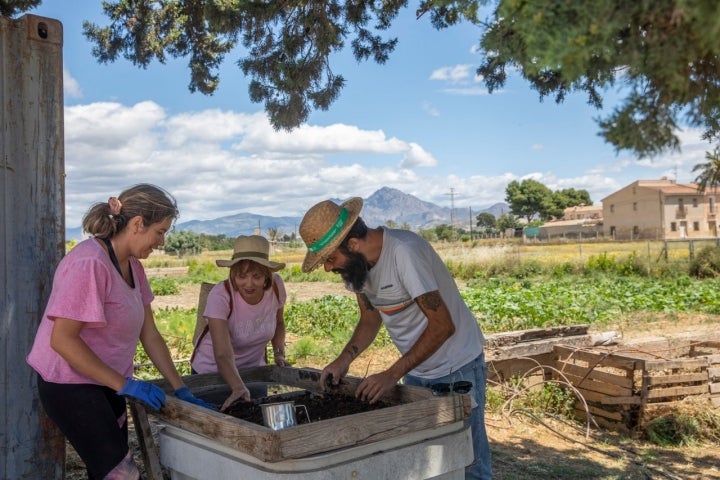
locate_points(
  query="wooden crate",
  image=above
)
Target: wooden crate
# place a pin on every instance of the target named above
(413, 409)
(711, 351)
(606, 382)
(624, 391)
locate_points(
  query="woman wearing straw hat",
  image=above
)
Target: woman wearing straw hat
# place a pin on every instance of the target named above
(244, 313)
(401, 281)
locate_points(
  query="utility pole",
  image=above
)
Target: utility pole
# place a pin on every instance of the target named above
(452, 211)
(471, 221)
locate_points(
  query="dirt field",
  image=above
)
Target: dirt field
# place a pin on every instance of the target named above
(527, 448)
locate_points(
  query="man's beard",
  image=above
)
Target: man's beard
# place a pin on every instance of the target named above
(355, 271)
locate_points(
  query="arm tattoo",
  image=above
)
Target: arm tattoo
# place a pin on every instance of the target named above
(352, 351)
(431, 300)
(366, 302)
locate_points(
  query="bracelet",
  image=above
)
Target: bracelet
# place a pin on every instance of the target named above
(279, 352)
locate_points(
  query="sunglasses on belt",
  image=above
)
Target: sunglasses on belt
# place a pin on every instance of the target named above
(439, 389)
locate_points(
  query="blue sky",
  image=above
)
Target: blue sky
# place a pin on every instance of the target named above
(421, 123)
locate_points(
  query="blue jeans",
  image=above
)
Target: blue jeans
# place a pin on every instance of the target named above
(476, 372)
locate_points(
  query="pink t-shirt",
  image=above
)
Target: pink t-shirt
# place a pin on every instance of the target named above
(251, 326)
(88, 288)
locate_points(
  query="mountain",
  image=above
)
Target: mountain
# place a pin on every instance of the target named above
(386, 204)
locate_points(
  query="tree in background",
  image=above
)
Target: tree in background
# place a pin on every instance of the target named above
(529, 199)
(506, 221)
(486, 221)
(182, 243)
(709, 172)
(272, 234)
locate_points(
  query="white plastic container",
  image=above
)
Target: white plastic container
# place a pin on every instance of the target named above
(440, 454)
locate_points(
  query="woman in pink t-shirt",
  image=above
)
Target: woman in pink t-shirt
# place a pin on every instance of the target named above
(98, 309)
(243, 314)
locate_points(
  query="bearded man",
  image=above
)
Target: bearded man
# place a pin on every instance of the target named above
(401, 281)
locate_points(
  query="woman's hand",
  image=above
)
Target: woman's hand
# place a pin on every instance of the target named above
(238, 393)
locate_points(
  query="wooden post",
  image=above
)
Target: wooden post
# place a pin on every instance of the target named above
(32, 237)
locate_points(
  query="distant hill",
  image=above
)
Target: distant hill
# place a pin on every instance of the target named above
(382, 206)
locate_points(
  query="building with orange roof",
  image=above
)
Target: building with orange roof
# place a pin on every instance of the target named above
(660, 210)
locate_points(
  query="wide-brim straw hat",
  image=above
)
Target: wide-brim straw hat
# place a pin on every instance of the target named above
(324, 227)
(252, 247)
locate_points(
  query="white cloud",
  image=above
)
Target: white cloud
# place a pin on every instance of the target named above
(71, 87)
(430, 109)
(453, 74)
(218, 163)
(467, 91)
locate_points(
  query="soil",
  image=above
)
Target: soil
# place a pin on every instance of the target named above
(523, 447)
(317, 407)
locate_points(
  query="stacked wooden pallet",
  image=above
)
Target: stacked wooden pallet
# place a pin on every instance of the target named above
(625, 388)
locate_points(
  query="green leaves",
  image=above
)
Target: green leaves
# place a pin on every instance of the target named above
(507, 304)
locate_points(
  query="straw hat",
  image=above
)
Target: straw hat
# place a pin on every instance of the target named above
(253, 247)
(324, 227)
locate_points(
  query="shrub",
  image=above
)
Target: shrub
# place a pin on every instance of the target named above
(164, 286)
(706, 263)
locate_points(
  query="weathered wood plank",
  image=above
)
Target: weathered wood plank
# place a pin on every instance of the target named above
(630, 400)
(652, 365)
(538, 347)
(148, 448)
(678, 378)
(510, 338)
(595, 374)
(676, 391)
(607, 359)
(714, 387)
(600, 387)
(598, 412)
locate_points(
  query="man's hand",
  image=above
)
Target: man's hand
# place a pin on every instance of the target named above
(374, 387)
(331, 374)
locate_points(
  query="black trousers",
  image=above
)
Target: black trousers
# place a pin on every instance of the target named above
(94, 420)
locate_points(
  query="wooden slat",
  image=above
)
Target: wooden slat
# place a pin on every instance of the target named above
(536, 347)
(677, 391)
(713, 359)
(714, 373)
(714, 387)
(599, 412)
(593, 358)
(610, 424)
(148, 447)
(510, 338)
(595, 374)
(600, 387)
(633, 400)
(680, 378)
(652, 365)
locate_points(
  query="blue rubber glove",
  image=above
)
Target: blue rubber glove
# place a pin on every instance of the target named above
(183, 393)
(145, 392)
